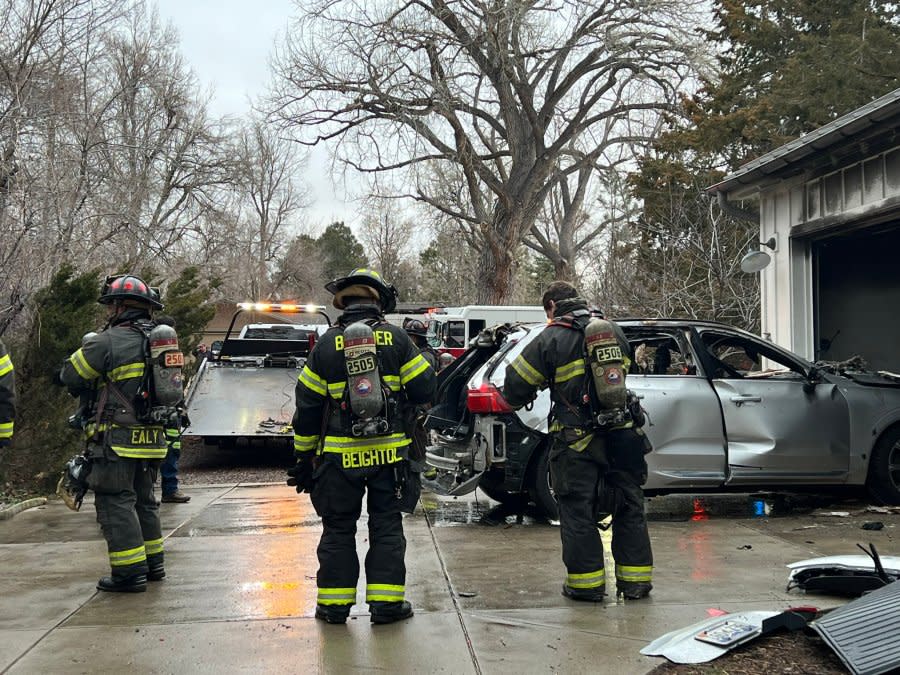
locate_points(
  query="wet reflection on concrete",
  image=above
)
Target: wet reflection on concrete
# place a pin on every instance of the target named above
(694, 508)
(449, 511)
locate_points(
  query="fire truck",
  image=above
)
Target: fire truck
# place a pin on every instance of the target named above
(245, 392)
(451, 328)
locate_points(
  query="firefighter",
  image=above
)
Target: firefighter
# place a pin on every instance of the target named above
(124, 446)
(597, 458)
(7, 397)
(418, 333)
(349, 438)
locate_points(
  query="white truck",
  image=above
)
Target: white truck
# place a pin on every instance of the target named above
(245, 393)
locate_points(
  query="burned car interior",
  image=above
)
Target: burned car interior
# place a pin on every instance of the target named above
(660, 353)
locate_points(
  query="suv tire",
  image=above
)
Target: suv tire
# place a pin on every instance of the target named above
(539, 487)
(883, 480)
(491, 484)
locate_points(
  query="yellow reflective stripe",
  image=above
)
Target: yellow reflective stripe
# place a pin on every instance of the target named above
(587, 579)
(582, 443)
(6, 365)
(392, 382)
(305, 443)
(526, 371)
(130, 557)
(413, 368)
(568, 371)
(172, 433)
(384, 593)
(6, 429)
(634, 572)
(312, 381)
(154, 546)
(127, 372)
(350, 444)
(336, 389)
(336, 596)
(82, 367)
(139, 453)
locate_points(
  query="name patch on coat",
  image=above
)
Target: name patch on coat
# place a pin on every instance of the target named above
(382, 338)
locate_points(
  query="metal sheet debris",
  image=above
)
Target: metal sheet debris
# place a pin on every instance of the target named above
(681, 645)
(865, 633)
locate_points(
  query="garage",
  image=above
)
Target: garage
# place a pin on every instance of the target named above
(829, 224)
(857, 295)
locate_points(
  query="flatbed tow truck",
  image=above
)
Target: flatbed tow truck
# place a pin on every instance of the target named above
(245, 394)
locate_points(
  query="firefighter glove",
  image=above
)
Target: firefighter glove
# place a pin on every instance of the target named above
(301, 475)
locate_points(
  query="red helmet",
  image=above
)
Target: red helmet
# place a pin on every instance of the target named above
(415, 327)
(120, 287)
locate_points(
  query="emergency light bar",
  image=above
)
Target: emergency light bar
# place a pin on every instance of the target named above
(280, 307)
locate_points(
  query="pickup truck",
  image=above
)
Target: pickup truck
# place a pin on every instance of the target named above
(245, 393)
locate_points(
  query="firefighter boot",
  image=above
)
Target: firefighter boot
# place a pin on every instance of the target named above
(332, 613)
(156, 573)
(634, 590)
(136, 583)
(593, 595)
(389, 612)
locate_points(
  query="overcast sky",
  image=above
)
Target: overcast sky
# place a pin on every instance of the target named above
(228, 43)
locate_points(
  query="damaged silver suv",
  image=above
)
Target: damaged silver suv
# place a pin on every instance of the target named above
(728, 411)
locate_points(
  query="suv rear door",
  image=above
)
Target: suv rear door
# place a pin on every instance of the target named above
(684, 418)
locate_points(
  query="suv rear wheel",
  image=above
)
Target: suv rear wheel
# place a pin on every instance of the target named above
(491, 484)
(539, 486)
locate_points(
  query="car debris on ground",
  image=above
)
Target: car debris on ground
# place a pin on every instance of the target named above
(850, 575)
(709, 639)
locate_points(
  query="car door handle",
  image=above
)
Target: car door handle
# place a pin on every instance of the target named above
(740, 400)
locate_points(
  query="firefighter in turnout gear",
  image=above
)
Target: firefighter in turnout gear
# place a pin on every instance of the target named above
(418, 333)
(124, 441)
(597, 458)
(7, 397)
(349, 440)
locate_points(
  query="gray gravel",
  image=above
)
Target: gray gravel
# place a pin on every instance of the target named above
(210, 465)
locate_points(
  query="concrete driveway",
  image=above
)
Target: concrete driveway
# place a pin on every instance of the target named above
(240, 592)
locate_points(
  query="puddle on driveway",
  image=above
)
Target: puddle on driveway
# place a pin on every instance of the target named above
(447, 511)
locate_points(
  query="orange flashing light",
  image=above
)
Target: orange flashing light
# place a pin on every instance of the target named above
(284, 307)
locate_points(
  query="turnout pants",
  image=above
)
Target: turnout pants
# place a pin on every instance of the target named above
(605, 476)
(128, 512)
(337, 496)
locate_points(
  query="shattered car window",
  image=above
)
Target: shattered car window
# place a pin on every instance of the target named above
(737, 357)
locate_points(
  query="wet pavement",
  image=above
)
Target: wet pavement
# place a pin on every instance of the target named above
(240, 592)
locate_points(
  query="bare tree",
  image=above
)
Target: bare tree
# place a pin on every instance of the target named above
(300, 271)
(45, 46)
(387, 236)
(687, 265)
(510, 92)
(163, 154)
(267, 188)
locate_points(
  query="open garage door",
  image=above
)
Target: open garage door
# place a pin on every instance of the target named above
(857, 297)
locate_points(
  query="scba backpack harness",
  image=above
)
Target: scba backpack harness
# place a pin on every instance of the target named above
(156, 402)
(365, 397)
(610, 404)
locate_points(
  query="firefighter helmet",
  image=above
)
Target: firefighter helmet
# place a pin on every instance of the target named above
(415, 327)
(360, 283)
(121, 287)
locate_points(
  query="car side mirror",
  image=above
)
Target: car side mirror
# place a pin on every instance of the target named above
(813, 377)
